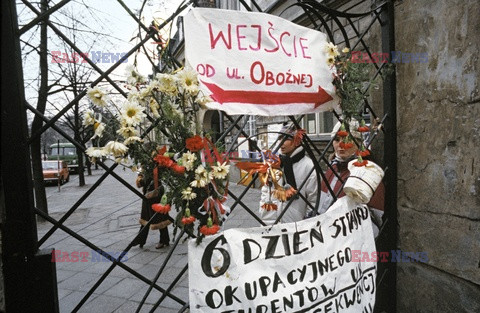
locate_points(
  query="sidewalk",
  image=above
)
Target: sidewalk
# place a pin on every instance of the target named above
(109, 219)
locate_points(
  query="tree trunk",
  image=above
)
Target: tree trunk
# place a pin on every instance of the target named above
(77, 137)
(35, 147)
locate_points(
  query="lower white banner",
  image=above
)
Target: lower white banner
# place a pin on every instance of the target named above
(308, 266)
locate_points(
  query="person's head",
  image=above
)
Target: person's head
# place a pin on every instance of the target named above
(344, 153)
(289, 145)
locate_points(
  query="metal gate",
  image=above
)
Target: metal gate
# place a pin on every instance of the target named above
(23, 257)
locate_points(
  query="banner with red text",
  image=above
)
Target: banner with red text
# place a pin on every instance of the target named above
(257, 63)
(322, 264)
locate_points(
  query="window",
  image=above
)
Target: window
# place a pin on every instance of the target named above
(319, 123)
(311, 121)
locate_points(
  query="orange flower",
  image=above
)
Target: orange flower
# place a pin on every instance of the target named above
(180, 170)
(290, 192)
(270, 206)
(194, 143)
(161, 208)
(188, 220)
(212, 230)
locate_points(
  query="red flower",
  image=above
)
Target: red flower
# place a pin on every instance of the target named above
(180, 170)
(161, 208)
(194, 143)
(212, 230)
(342, 131)
(188, 220)
(346, 145)
(360, 162)
(363, 129)
(163, 161)
(363, 153)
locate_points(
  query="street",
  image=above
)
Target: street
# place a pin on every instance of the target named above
(108, 218)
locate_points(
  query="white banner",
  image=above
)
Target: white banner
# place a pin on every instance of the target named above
(295, 267)
(257, 63)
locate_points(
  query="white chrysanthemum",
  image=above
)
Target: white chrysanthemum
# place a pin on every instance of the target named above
(132, 113)
(188, 194)
(198, 183)
(95, 152)
(331, 49)
(121, 160)
(221, 170)
(116, 148)
(133, 77)
(330, 60)
(127, 131)
(167, 84)
(188, 160)
(97, 96)
(145, 93)
(203, 100)
(202, 173)
(132, 139)
(153, 104)
(188, 81)
(133, 96)
(98, 128)
(345, 50)
(89, 118)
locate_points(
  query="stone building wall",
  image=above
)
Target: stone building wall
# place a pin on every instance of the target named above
(438, 111)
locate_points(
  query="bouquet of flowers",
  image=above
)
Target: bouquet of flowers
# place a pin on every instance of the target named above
(196, 186)
(349, 79)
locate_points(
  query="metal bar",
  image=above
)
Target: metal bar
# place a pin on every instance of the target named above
(160, 270)
(102, 76)
(169, 288)
(390, 160)
(42, 16)
(238, 200)
(94, 247)
(229, 129)
(132, 15)
(361, 37)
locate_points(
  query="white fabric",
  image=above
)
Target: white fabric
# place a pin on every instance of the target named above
(299, 209)
(257, 63)
(304, 266)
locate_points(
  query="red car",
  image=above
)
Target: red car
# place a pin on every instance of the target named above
(55, 171)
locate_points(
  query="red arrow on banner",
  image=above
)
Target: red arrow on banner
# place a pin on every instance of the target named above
(267, 97)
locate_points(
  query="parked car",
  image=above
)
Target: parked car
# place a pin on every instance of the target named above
(55, 171)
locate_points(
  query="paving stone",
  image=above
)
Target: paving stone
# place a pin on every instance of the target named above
(125, 288)
(68, 303)
(64, 274)
(102, 303)
(111, 222)
(81, 281)
(131, 306)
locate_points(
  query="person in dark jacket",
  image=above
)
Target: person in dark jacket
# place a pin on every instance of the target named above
(153, 194)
